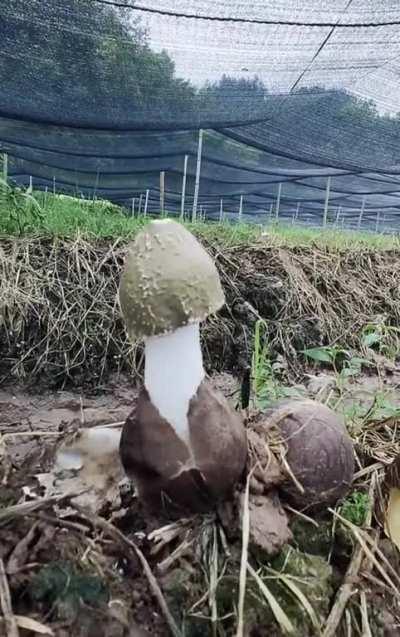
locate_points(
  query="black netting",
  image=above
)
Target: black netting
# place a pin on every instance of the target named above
(98, 97)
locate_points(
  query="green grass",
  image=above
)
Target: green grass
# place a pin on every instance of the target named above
(30, 214)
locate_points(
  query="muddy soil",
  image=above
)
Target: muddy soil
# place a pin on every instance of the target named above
(107, 594)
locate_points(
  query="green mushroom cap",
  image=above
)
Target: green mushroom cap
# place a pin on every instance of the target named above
(168, 281)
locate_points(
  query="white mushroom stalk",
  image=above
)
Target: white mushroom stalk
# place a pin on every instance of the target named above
(173, 373)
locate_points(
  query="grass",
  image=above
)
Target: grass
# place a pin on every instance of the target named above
(37, 213)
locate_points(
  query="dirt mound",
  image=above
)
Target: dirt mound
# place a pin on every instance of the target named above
(60, 322)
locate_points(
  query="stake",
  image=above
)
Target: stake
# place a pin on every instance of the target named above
(146, 203)
(361, 213)
(278, 202)
(54, 185)
(297, 211)
(338, 216)
(133, 206)
(328, 189)
(241, 208)
(185, 163)
(162, 186)
(197, 183)
(30, 184)
(221, 211)
(140, 205)
(5, 167)
(269, 217)
(378, 218)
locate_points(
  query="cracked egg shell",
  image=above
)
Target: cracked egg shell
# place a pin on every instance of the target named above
(320, 452)
(168, 281)
(187, 476)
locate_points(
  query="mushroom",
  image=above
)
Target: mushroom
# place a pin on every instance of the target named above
(319, 452)
(183, 444)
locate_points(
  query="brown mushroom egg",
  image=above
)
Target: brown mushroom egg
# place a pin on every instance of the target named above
(319, 455)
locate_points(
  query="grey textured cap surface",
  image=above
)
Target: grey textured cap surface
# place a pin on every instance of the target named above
(168, 281)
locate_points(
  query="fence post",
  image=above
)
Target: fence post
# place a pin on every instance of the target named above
(197, 182)
(162, 191)
(241, 208)
(326, 206)
(185, 163)
(361, 213)
(5, 167)
(338, 216)
(278, 202)
(146, 203)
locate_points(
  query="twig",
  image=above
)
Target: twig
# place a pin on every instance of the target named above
(6, 606)
(114, 533)
(244, 555)
(18, 510)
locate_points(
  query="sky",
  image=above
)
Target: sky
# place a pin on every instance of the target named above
(363, 60)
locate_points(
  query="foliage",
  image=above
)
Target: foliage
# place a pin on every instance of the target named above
(265, 386)
(355, 507)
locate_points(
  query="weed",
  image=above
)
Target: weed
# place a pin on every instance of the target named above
(355, 507)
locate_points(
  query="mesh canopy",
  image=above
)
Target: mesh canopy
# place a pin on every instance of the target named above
(98, 97)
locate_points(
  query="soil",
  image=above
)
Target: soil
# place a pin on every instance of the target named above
(67, 572)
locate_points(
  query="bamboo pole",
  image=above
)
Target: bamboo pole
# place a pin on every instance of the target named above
(162, 192)
(185, 164)
(5, 168)
(197, 182)
(146, 203)
(241, 209)
(278, 202)
(326, 206)
(361, 213)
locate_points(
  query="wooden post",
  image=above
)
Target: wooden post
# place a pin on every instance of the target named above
(338, 216)
(221, 211)
(241, 208)
(185, 163)
(198, 168)
(162, 191)
(146, 203)
(133, 206)
(140, 205)
(278, 202)
(326, 206)
(361, 213)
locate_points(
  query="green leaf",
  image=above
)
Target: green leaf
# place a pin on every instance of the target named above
(371, 339)
(320, 354)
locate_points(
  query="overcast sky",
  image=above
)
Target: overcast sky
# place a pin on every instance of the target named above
(365, 61)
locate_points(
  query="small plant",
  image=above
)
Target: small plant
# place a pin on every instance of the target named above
(355, 507)
(383, 338)
(344, 364)
(265, 387)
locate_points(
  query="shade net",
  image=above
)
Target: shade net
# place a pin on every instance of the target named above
(293, 97)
